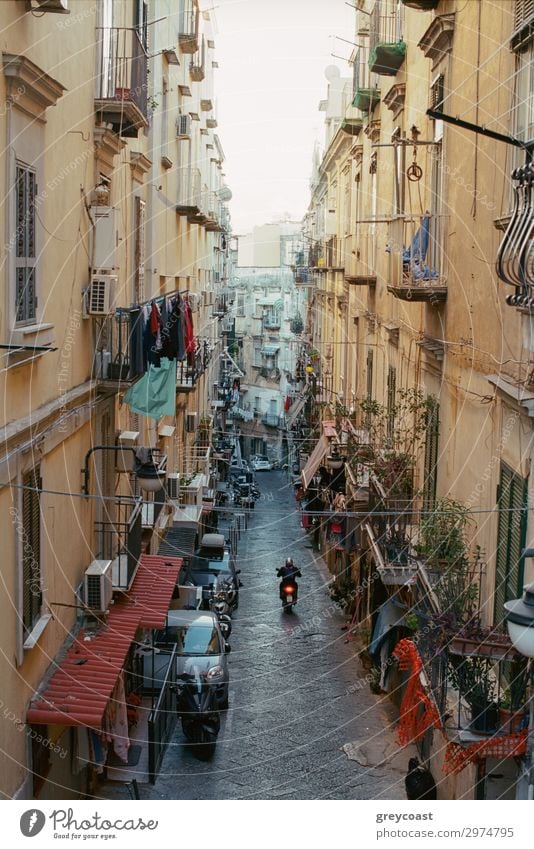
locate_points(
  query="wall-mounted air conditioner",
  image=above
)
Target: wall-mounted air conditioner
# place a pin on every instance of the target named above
(60, 6)
(100, 294)
(98, 585)
(190, 422)
(173, 486)
(183, 127)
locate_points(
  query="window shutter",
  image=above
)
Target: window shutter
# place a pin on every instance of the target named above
(391, 392)
(437, 92)
(369, 375)
(511, 535)
(523, 23)
(431, 457)
(139, 293)
(31, 549)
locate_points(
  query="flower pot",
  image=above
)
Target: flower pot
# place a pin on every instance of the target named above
(512, 721)
(484, 718)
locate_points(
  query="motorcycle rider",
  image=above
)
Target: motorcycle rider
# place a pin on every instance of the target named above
(288, 572)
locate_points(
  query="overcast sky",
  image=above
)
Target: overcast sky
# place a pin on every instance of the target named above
(272, 56)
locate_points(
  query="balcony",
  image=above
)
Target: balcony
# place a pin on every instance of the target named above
(386, 47)
(201, 214)
(188, 26)
(272, 420)
(272, 322)
(214, 210)
(421, 5)
(189, 191)
(121, 96)
(360, 265)
(112, 358)
(220, 307)
(365, 92)
(197, 63)
(323, 257)
(416, 260)
(187, 374)
(118, 537)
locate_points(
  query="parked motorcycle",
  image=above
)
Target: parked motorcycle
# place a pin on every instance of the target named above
(198, 708)
(220, 603)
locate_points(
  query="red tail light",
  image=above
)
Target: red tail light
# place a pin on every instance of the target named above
(289, 589)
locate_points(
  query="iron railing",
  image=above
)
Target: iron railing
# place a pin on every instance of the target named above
(122, 66)
(162, 719)
(118, 533)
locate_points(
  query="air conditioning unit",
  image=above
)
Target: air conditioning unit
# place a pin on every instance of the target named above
(98, 585)
(183, 127)
(173, 486)
(60, 6)
(100, 294)
(190, 422)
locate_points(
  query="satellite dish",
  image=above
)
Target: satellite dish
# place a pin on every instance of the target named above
(225, 193)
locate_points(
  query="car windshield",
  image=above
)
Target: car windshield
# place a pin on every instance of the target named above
(199, 640)
(202, 564)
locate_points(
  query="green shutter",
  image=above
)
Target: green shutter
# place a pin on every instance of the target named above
(369, 375)
(431, 457)
(391, 392)
(511, 534)
(31, 549)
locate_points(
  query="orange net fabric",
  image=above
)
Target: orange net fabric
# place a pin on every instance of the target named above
(457, 757)
(418, 712)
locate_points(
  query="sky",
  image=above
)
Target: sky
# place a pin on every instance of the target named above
(272, 57)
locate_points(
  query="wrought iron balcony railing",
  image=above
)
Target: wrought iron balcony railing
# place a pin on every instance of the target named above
(121, 96)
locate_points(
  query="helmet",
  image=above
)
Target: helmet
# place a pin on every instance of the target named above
(289, 561)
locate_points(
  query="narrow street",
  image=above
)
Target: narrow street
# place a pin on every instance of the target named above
(295, 695)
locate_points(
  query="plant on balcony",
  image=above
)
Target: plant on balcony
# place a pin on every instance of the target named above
(473, 678)
(442, 537)
(296, 325)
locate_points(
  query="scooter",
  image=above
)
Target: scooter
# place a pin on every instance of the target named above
(197, 706)
(220, 604)
(288, 594)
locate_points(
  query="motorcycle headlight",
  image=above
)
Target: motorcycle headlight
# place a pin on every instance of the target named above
(215, 672)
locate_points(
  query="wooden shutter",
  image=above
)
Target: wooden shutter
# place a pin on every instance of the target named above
(431, 457)
(369, 375)
(31, 549)
(523, 24)
(139, 293)
(391, 392)
(511, 534)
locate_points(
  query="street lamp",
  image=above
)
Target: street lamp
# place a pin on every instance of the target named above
(151, 478)
(520, 622)
(335, 461)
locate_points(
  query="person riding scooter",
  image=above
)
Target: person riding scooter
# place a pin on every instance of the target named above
(288, 572)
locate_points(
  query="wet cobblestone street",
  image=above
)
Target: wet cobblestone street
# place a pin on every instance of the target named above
(296, 689)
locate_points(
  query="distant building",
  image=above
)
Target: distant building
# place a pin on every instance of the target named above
(269, 322)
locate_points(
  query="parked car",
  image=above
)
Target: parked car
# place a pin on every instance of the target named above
(213, 568)
(200, 646)
(261, 464)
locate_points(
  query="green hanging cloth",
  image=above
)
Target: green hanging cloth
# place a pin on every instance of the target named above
(155, 394)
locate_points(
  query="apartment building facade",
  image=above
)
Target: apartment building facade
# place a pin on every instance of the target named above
(114, 213)
(406, 217)
(268, 311)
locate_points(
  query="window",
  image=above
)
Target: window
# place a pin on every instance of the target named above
(32, 595)
(369, 375)
(240, 304)
(431, 456)
(523, 46)
(437, 96)
(257, 360)
(25, 282)
(512, 501)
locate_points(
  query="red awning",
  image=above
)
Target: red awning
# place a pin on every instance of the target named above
(153, 586)
(81, 686)
(79, 690)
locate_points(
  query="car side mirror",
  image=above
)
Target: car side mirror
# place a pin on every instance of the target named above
(227, 648)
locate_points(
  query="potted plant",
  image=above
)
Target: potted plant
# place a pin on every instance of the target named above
(473, 678)
(442, 537)
(512, 705)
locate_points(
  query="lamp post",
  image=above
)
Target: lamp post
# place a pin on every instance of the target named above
(520, 622)
(150, 477)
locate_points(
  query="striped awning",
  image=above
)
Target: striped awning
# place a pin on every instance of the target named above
(83, 679)
(314, 461)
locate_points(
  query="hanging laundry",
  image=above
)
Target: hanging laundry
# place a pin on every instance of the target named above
(154, 395)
